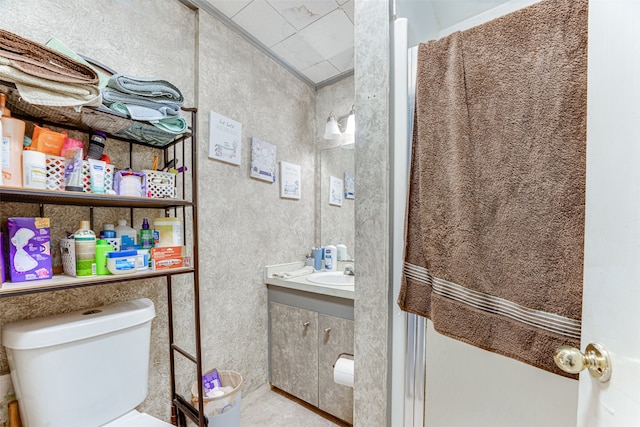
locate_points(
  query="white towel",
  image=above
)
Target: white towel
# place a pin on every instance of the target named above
(296, 273)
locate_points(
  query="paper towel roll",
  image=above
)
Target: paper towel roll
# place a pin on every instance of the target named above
(343, 372)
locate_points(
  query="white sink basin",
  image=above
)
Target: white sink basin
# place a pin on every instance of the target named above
(333, 278)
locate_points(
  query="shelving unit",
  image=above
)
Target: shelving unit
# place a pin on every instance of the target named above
(111, 123)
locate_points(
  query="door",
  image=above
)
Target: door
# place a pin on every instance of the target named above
(335, 336)
(294, 351)
(612, 239)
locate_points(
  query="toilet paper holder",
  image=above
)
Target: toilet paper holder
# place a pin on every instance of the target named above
(340, 355)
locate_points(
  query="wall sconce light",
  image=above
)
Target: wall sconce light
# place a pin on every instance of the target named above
(332, 128)
(351, 122)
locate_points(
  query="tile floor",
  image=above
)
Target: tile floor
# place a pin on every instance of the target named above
(271, 408)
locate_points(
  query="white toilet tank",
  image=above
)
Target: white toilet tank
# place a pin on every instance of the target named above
(81, 369)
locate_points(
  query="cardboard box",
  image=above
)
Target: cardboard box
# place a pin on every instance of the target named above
(167, 257)
(29, 249)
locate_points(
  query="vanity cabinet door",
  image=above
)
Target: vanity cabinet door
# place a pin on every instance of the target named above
(294, 351)
(335, 336)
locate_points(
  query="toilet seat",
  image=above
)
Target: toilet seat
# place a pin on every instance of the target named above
(137, 419)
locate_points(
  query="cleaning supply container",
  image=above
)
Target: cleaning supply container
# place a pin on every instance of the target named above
(128, 236)
(85, 368)
(169, 231)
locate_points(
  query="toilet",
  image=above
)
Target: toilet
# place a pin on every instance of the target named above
(87, 368)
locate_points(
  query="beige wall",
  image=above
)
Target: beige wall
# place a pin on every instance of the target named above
(243, 223)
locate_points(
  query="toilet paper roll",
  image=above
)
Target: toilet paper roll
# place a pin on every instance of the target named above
(343, 372)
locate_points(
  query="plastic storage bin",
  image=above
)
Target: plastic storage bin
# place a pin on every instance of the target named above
(222, 411)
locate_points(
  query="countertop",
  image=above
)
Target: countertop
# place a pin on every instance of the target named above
(302, 284)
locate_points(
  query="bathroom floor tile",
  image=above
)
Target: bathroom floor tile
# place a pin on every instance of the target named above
(271, 408)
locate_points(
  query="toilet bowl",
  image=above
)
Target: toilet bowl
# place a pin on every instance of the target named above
(98, 359)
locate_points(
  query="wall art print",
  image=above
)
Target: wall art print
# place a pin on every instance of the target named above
(225, 137)
(290, 175)
(263, 160)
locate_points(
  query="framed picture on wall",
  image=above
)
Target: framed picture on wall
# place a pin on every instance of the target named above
(225, 139)
(263, 160)
(349, 185)
(335, 191)
(290, 175)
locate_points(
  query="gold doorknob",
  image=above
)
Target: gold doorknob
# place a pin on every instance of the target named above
(595, 358)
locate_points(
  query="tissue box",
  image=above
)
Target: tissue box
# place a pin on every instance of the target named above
(29, 249)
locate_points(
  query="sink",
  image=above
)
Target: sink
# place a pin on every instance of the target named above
(334, 278)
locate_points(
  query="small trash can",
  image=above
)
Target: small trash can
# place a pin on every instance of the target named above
(222, 411)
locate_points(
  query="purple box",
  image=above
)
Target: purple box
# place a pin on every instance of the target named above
(29, 249)
(2, 276)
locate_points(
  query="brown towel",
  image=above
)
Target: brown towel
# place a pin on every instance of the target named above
(41, 61)
(495, 221)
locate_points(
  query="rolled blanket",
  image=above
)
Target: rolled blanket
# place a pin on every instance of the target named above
(40, 61)
(138, 107)
(158, 90)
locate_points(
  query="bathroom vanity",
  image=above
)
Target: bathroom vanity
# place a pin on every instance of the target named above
(310, 326)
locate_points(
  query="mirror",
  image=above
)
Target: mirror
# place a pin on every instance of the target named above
(337, 212)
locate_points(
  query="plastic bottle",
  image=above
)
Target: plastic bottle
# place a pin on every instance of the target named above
(85, 243)
(169, 231)
(330, 261)
(342, 251)
(146, 235)
(128, 235)
(102, 249)
(12, 146)
(317, 259)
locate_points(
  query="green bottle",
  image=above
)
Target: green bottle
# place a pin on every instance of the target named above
(146, 235)
(102, 249)
(85, 243)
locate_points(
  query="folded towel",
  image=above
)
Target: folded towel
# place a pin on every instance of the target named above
(156, 89)
(40, 61)
(40, 91)
(138, 107)
(175, 125)
(296, 273)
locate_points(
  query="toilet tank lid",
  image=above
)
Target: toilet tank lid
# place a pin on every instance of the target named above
(77, 325)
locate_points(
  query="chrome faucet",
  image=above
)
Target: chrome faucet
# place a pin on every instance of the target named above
(349, 271)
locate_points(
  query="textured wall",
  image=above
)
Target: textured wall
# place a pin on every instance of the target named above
(144, 38)
(372, 212)
(244, 224)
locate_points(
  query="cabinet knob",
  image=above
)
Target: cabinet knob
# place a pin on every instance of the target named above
(306, 324)
(327, 330)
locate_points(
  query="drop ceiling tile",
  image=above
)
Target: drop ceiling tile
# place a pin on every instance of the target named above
(297, 52)
(343, 61)
(349, 9)
(262, 21)
(320, 72)
(329, 35)
(229, 7)
(301, 13)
